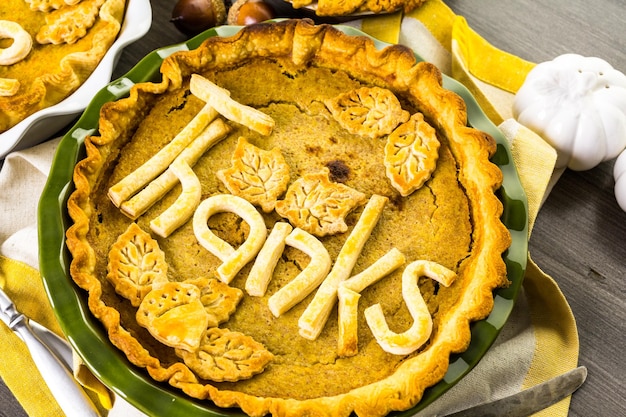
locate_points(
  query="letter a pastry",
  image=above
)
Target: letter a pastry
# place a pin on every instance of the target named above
(233, 259)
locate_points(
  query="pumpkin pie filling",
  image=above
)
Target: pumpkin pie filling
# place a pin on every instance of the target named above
(438, 221)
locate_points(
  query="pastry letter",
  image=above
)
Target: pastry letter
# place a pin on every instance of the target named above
(233, 260)
(316, 314)
(307, 280)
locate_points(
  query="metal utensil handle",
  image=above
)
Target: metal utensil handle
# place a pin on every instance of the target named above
(530, 400)
(68, 393)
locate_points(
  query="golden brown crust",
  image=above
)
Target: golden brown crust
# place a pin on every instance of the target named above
(136, 265)
(174, 315)
(260, 176)
(317, 205)
(219, 299)
(69, 24)
(350, 7)
(411, 154)
(227, 356)
(297, 44)
(51, 72)
(368, 111)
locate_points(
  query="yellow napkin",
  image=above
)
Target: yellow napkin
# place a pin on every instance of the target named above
(489, 73)
(555, 329)
(493, 76)
(384, 27)
(22, 178)
(23, 285)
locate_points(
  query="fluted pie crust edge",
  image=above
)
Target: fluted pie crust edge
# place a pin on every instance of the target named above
(306, 45)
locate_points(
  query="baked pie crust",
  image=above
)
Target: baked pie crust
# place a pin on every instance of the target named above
(368, 111)
(258, 175)
(174, 315)
(312, 362)
(69, 38)
(136, 265)
(356, 7)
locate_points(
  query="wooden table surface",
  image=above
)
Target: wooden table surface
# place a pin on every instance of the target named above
(580, 235)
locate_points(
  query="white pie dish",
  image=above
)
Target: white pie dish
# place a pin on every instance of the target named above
(41, 125)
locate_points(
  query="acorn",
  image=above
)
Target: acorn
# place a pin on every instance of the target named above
(248, 12)
(192, 17)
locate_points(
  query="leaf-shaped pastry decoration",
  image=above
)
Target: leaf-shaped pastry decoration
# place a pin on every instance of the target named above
(47, 5)
(174, 315)
(411, 154)
(371, 112)
(319, 206)
(136, 264)
(225, 355)
(257, 175)
(219, 299)
(69, 24)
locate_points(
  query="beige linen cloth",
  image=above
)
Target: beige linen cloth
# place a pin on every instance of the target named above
(538, 342)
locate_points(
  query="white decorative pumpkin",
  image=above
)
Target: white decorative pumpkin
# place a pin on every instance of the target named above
(619, 172)
(578, 105)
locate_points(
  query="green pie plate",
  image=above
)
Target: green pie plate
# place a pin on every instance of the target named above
(86, 334)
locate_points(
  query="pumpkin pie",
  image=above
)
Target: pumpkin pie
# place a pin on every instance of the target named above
(356, 7)
(346, 234)
(48, 48)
